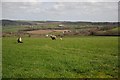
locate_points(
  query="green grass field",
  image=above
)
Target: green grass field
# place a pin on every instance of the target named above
(12, 28)
(83, 57)
(0, 58)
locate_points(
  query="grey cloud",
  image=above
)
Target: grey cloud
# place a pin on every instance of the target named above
(99, 11)
(60, 0)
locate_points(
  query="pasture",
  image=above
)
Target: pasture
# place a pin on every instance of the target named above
(76, 57)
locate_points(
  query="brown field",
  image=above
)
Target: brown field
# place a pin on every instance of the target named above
(44, 31)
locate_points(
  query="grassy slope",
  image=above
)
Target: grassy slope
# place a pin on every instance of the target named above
(17, 28)
(92, 57)
(116, 29)
(13, 28)
(0, 58)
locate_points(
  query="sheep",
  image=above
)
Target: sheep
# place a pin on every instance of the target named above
(19, 40)
(53, 37)
(47, 35)
(60, 38)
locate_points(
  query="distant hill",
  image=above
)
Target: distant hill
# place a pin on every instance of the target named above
(77, 28)
(12, 22)
(22, 22)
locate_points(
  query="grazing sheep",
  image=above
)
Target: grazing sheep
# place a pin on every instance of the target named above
(19, 40)
(53, 37)
(60, 38)
(46, 35)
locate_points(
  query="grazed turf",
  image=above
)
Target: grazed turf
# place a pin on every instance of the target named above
(83, 57)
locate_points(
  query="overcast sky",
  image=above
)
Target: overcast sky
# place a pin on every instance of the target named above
(62, 11)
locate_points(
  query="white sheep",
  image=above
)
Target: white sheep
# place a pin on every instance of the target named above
(53, 37)
(60, 38)
(19, 40)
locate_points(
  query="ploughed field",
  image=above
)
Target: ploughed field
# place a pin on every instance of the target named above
(75, 57)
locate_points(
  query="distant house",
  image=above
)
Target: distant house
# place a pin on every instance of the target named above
(60, 25)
